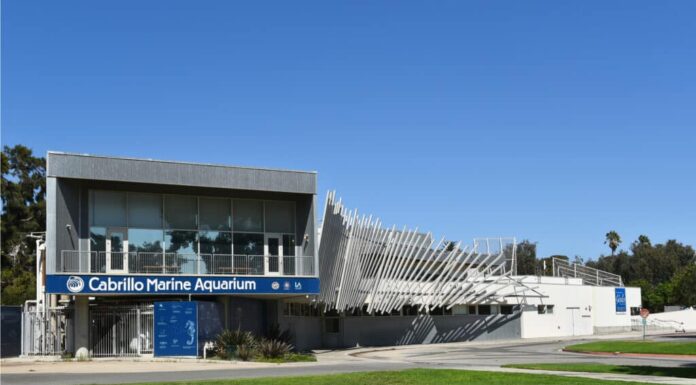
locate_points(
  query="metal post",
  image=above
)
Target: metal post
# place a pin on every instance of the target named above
(644, 322)
(137, 328)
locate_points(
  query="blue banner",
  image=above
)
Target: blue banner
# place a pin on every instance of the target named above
(177, 284)
(620, 296)
(176, 329)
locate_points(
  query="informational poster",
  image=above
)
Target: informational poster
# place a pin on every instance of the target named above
(176, 329)
(620, 297)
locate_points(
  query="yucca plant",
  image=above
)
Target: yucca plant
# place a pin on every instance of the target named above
(273, 348)
(228, 341)
(246, 352)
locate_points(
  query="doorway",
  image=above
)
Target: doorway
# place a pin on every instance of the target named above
(117, 251)
(273, 254)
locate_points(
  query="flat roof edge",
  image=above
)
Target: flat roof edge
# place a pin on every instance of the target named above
(150, 171)
(62, 153)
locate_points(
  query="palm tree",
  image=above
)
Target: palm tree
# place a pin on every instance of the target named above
(613, 240)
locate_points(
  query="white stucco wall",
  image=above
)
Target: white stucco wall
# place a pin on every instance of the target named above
(571, 316)
(606, 318)
(578, 309)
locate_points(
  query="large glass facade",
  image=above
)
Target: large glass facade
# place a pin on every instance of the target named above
(167, 233)
(215, 214)
(249, 244)
(248, 215)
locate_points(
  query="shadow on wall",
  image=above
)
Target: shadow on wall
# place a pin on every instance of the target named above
(430, 330)
(426, 329)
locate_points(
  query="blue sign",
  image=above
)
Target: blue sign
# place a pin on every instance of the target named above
(620, 296)
(177, 284)
(176, 329)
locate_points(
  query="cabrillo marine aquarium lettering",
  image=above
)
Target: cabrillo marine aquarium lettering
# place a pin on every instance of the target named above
(125, 284)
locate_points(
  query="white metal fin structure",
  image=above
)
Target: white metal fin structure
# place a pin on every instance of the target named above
(363, 264)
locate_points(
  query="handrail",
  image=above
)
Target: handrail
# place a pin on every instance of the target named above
(589, 275)
(100, 262)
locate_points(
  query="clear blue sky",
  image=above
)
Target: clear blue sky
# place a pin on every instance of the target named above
(553, 121)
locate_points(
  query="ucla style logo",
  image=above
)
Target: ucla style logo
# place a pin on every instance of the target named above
(75, 284)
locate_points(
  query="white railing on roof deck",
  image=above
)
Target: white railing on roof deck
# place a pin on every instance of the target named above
(589, 275)
(102, 262)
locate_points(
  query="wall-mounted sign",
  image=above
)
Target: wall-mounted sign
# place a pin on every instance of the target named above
(176, 329)
(620, 299)
(177, 284)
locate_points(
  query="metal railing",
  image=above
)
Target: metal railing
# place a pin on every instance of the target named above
(655, 324)
(98, 262)
(121, 331)
(589, 275)
(45, 332)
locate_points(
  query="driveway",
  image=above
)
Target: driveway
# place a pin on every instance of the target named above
(462, 355)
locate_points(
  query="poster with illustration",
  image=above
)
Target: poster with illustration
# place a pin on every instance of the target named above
(176, 329)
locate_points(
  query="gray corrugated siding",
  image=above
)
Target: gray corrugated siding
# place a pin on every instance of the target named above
(185, 174)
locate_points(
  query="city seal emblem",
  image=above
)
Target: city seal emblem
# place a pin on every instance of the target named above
(75, 284)
(275, 285)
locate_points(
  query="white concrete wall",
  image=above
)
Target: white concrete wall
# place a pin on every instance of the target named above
(684, 319)
(578, 309)
(572, 315)
(606, 319)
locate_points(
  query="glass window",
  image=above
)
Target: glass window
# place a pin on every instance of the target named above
(459, 309)
(280, 217)
(505, 309)
(289, 245)
(180, 212)
(251, 244)
(215, 214)
(182, 242)
(145, 211)
(549, 309)
(472, 309)
(97, 239)
(145, 240)
(215, 242)
(436, 311)
(541, 309)
(248, 215)
(409, 310)
(484, 309)
(108, 208)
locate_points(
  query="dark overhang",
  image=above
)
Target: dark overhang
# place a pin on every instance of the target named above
(91, 167)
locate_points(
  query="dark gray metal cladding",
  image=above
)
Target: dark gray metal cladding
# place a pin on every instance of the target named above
(90, 167)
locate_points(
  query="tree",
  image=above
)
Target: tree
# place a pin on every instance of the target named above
(526, 258)
(23, 213)
(613, 240)
(684, 286)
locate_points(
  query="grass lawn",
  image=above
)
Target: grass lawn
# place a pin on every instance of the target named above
(686, 372)
(636, 347)
(413, 377)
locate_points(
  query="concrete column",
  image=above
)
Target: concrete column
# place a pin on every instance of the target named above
(81, 327)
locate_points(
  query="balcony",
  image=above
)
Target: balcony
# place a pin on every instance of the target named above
(103, 262)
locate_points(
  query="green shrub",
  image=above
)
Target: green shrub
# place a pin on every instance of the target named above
(273, 348)
(228, 341)
(246, 352)
(274, 333)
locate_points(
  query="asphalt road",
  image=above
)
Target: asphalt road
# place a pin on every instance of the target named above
(475, 356)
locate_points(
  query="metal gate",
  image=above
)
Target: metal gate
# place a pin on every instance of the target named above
(121, 331)
(46, 332)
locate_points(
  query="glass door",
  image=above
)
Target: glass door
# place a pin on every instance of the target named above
(116, 251)
(273, 251)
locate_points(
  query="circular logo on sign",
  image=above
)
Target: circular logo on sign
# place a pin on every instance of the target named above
(275, 286)
(75, 284)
